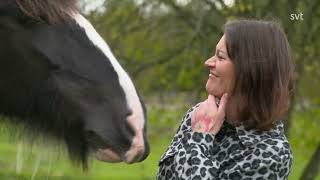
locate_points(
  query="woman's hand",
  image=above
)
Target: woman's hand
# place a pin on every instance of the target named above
(208, 117)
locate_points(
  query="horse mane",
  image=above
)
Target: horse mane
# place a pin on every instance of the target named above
(49, 11)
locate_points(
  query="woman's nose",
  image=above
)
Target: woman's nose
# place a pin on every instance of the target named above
(211, 62)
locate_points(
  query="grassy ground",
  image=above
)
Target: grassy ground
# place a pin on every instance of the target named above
(53, 165)
(41, 162)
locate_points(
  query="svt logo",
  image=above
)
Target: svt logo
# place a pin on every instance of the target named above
(296, 16)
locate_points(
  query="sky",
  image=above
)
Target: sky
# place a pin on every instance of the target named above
(94, 4)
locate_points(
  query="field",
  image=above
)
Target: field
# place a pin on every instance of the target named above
(20, 161)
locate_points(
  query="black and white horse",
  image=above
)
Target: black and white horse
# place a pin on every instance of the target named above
(59, 79)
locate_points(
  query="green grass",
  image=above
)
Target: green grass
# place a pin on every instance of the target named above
(61, 168)
(163, 121)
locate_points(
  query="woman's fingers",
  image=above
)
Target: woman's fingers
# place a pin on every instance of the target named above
(200, 120)
(197, 116)
(211, 99)
(220, 115)
(211, 105)
(208, 117)
(223, 103)
(222, 107)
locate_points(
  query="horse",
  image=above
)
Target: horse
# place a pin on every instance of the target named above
(60, 80)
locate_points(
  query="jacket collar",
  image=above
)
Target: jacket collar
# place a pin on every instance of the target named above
(253, 136)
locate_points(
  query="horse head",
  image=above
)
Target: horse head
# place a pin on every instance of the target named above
(60, 79)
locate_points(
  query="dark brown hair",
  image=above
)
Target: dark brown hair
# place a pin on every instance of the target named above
(49, 11)
(264, 71)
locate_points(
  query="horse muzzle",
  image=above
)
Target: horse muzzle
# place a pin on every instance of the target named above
(136, 153)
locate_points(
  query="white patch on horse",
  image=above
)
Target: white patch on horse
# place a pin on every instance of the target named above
(124, 79)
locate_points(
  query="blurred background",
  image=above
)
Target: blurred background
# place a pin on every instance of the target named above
(163, 45)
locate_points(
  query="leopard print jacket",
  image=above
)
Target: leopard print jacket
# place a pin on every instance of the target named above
(234, 153)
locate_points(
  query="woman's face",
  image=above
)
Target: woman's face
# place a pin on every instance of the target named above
(222, 76)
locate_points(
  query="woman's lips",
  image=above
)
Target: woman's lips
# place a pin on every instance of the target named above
(213, 75)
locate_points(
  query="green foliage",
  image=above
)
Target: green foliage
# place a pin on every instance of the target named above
(164, 43)
(163, 49)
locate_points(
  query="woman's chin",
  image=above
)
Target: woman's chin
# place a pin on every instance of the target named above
(214, 92)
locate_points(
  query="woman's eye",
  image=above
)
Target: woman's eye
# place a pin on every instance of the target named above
(220, 57)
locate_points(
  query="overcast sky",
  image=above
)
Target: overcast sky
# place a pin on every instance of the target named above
(94, 4)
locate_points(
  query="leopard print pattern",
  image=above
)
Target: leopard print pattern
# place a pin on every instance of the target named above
(234, 153)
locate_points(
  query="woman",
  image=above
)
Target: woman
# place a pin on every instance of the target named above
(251, 74)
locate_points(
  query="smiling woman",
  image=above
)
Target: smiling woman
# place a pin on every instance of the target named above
(221, 78)
(59, 79)
(237, 132)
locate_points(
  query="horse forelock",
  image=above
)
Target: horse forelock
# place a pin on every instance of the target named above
(49, 11)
